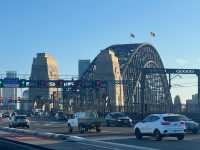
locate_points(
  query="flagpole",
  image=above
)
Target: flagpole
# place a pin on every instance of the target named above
(152, 36)
(132, 35)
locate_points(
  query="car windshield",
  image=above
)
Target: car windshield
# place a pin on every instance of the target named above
(90, 115)
(118, 115)
(61, 113)
(20, 117)
(172, 118)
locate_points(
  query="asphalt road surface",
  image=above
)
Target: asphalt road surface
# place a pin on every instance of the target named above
(191, 142)
(60, 128)
(58, 144)
(112, 138)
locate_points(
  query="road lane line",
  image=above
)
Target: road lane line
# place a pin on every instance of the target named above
(108, 138)
(98, 146)
(123, 145)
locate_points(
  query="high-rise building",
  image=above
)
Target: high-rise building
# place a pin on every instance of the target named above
(10, 93)
(82, 66)
(192, 104)
(24, 101)
(44, 67)
(195, 99)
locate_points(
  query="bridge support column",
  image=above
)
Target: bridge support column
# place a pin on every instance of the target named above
(143, 75)
(198, 91)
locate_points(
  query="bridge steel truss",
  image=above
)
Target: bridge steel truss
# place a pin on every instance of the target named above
(156, 96)
(164, 71)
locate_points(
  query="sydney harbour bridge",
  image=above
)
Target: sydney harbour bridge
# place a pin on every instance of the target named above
(114, 81)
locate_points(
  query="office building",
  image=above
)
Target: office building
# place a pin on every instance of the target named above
(83, 66)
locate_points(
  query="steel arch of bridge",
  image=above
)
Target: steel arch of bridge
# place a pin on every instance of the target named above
(145, 56)
(138, 56)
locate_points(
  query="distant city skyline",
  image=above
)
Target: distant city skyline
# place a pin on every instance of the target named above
(73, 30)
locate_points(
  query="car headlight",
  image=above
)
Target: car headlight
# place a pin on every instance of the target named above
(119, 120)
(130, 120)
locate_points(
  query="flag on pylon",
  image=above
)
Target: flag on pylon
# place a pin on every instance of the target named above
(132, 35)
(152, 34)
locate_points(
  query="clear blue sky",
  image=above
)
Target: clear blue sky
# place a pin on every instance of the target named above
(78, 29)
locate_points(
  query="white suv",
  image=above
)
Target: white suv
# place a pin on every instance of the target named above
(160, 125)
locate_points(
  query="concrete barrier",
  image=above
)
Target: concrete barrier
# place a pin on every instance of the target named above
(43, 134)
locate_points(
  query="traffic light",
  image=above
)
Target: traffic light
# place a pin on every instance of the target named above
(22, 83)
(97, 84)
(1, 83)
(103, 84)
(42, 83)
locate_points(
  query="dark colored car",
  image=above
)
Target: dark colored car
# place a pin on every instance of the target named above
(60, 116)
(190, 125)
(19, 121)
(5, 115)
(118, 119)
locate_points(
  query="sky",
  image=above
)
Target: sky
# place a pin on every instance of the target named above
(78, 29)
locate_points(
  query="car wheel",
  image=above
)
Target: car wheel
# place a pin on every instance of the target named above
(138, 134)
(195, 131)
(70, 129)
(118, 124)
(107, 124)
(28, 126)
(157, 135)
(81, 129)
(98, 129)
(180, 137)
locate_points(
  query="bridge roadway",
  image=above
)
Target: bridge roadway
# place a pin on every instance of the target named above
(111, 138)
(60, 128)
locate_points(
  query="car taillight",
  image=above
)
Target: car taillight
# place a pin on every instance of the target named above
(165, 123)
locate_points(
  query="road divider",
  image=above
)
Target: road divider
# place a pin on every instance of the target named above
(80, 140)
(42, 134)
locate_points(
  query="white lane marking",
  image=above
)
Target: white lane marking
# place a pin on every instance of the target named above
(98, 146)
(107, 138)
(124, 145)
(52, 122)
(190, 138)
